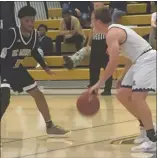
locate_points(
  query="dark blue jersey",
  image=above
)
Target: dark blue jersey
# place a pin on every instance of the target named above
(18, 47)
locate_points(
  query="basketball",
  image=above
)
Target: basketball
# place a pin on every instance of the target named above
(86, 107)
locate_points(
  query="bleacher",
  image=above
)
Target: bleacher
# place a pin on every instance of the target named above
(136, 17)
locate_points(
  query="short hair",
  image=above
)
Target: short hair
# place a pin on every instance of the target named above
(103, 14)
(26, 11)
(42, 25)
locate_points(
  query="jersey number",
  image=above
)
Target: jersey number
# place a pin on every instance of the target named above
(18, 62)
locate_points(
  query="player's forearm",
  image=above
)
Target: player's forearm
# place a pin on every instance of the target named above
(39, 59)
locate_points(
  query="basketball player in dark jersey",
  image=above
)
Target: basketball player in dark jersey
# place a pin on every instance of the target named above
(22, 41)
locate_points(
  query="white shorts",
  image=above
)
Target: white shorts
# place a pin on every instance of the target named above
(142, 75)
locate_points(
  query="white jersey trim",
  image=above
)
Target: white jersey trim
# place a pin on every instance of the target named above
(7, 85)
(35, 40)
(27, 88)
(26, 43)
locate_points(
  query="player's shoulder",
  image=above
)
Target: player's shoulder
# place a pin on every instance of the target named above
(12, 31)
(116, 32)
(116, 27)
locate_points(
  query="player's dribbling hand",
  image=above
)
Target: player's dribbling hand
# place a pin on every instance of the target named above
(93, 91)
(49, 72)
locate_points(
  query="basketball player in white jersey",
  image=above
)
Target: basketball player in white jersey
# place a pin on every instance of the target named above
(139, 75)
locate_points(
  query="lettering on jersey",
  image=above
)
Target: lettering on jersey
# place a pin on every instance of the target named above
(19, 62)
(15, 53)
(21, 52)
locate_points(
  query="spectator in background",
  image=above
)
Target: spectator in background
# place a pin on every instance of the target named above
(65, 5)
(82, 9)
(118, 9)
(70, 32)
(153, 33)
(45, 42)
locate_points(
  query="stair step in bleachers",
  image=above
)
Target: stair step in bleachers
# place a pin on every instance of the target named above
(64, 74)
(125, 20)
(143, 30)
(131, 9)
(57, 61)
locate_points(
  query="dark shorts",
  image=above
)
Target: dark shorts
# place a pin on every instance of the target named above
(18, 78)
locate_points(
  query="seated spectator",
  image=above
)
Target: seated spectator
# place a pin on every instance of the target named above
(45, 42)
(70, 32)
(153, 33)
(64, 5)
(118, 9)
(82, 10)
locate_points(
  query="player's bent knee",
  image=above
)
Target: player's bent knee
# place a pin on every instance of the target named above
(139, 96)
(123, 93)
(135, 99)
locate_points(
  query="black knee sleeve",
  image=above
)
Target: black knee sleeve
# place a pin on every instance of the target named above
(4, 100)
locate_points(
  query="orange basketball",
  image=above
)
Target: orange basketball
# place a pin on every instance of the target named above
(86, 107)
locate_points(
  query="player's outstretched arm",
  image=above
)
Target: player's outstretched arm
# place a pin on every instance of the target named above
(41, 61)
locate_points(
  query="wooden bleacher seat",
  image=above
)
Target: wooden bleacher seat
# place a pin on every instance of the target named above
(71, 47)
(55, 13)
(136, 8)
(140, 30)
(51, 24)
(57, 61)
(136, 20)
(126, 20)
(64, 74)
(131, 9)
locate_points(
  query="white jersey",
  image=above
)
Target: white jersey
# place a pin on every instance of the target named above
(134, 45)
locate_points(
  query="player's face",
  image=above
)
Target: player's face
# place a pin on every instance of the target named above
(28, 23)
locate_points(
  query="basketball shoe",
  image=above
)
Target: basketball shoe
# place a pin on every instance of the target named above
(147, 146)
(68, 62)
(142, 137)
(57, 131)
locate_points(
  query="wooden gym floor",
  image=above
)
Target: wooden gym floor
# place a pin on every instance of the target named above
(23, 129)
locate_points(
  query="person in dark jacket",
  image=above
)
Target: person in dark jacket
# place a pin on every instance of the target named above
(118, 9)
(82, 10)
(45, 42)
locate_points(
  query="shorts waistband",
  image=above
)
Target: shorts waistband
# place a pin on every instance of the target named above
(145, 52)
